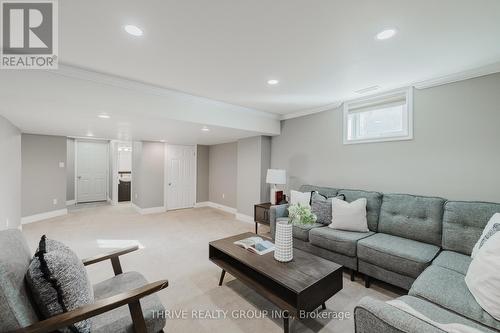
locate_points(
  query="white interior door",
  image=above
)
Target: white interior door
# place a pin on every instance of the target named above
(181, 176)
(91, 171)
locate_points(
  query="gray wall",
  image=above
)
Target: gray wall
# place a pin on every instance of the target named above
(253, 162)
(202, 173)
(265, 163)
(70, 169)
(136, 173)
(222, 177)
(455, 153)
(42, 178)
(10, 175)
(148, 159)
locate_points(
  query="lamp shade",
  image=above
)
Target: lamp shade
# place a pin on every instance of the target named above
(276, 176)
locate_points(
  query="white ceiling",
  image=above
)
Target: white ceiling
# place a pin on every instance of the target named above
(321, 50)
(224, 51)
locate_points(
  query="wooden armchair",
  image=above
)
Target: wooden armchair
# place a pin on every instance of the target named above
(107, 312)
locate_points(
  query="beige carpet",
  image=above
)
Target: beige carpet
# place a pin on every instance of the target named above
(175, 247)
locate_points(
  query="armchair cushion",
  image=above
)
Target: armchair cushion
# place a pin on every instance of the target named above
(59, 282)
(119, 320)
(16, 310)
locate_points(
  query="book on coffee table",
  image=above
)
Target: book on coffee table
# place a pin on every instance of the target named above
(256, 245)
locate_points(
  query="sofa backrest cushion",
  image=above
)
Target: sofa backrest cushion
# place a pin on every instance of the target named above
(463, 223)
(413, 217)
(16, 308)
(327, 192)
(373, 203)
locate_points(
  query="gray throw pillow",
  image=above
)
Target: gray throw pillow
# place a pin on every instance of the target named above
(59, 282)
(322, 207)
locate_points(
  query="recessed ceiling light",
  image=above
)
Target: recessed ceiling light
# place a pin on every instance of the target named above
(90, 134)
(272, 82)
(386, 34)
(133, 30)
(162, 140)
(205, 129)
(104, 116)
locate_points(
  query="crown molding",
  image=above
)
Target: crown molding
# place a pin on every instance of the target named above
(145, 88)
(459, 76)
(433, 82)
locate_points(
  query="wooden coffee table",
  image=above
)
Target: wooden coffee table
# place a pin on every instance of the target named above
(304, 284)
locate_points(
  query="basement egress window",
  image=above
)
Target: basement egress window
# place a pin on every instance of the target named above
(387, 117)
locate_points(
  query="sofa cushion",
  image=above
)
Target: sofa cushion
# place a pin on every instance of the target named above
(301, 231)
(16, 310)
(327, 192)
(453, 260)
(373, 203)
(59, 283)
(396, 254)
(447, 288)
(340, 241)
(463, 223)
(413, 217)
(119, 320)
(440, 315)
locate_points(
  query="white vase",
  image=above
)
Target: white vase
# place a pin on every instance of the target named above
(283, 245)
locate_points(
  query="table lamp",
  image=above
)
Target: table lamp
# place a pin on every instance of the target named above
(275, 177)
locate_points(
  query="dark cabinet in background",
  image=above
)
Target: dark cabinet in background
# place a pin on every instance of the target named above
(124, 193)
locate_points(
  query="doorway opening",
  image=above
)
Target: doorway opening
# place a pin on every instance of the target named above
(124, 172)
(120, 172)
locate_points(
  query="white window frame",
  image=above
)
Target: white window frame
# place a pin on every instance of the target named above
(406, 93)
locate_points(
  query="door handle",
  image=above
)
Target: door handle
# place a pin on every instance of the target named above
(79, 177)
(169, 184)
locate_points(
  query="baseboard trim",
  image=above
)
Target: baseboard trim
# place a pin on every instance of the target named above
(244, 218)
(216, 205)
(231, 210)
(152, 210)
(43, 216)
(70, 202)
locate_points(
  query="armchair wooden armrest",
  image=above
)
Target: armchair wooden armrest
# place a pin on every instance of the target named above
(132, 298)
(113, 256)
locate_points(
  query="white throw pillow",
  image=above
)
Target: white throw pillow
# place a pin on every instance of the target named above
(349, 216)
(483, 276)
(302, 198)
(491, 228)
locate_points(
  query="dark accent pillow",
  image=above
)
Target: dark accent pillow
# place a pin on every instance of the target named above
(322, 207)
(59, 282)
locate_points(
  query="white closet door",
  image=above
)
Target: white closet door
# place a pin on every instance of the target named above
(181, 176)
(91, 171)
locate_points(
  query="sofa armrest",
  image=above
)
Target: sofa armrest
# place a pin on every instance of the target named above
(276, 212)
(374, 316)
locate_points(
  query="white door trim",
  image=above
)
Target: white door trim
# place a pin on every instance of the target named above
(165, 174)
(76, 165)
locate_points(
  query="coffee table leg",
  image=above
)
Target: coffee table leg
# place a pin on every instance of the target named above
(222, 274)
(286, 323)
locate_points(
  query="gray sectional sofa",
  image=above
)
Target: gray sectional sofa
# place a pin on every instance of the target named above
(421, 244)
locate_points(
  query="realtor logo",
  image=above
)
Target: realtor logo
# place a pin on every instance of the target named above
(29, 34)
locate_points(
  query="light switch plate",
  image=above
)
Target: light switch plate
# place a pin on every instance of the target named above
(61, 164)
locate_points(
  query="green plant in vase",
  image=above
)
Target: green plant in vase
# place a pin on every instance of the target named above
(301, 214)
